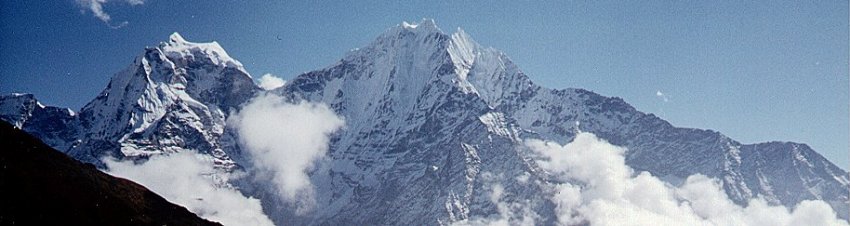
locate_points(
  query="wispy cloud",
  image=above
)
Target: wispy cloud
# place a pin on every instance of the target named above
(96, 8)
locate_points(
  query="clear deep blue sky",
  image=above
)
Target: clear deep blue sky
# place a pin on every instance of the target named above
(754, 71)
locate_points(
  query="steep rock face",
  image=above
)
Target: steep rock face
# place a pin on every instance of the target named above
(175, 96)
(790, 172)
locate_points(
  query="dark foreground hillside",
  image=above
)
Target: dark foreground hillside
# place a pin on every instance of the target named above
(41, 186)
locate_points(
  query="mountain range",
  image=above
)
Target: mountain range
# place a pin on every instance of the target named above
(430, 119)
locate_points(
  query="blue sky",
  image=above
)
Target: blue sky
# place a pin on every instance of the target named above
(754, 71)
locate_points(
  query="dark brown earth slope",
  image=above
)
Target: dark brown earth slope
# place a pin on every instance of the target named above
(41, 186)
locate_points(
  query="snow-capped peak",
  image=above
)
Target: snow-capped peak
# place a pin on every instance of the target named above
(177, 85)
(456, 59)
(425, 24)
(407, 25)
(176, 38)
(179, 50)
(424, 28)
(177, 72)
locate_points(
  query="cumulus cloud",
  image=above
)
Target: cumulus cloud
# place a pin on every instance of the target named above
(593, 185)
(285, 141)
(96, 8)
(270, 82)
(190, 180)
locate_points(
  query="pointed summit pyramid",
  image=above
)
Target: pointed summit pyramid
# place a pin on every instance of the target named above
(416, 97)
(174, 97)
(176, 38)
(180, 51)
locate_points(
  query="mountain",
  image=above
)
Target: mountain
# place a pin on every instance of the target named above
(417, 97)
(174, 97)
(53, 125)
(41, 186)
(431, 121)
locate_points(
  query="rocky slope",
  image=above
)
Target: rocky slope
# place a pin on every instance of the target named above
(41, 186)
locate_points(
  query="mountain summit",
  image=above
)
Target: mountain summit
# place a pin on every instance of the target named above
(431, 120)
(173, 97)
(417, 97)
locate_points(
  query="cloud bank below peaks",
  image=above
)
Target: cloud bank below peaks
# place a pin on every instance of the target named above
(598, 187)
(285, 141)
(190, 180)
(593, 185)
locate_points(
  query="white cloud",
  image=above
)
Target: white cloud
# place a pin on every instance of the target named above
(595, 186)
(710, 202)
(96, 7)
(189, 179)
(270, 82)
(285, 141)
